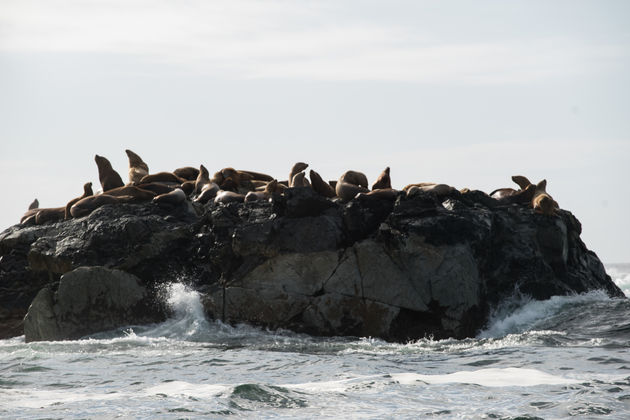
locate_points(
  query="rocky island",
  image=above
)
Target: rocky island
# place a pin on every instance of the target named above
(398, 265)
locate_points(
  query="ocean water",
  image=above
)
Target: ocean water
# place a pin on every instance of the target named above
(564, 357)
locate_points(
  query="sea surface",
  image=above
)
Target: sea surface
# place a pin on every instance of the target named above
(559, 358)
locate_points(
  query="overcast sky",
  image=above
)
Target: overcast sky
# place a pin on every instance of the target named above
(461, 92)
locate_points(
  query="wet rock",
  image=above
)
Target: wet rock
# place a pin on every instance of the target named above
(89, 300)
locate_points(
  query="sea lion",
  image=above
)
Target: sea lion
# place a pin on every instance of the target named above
(510, 195)
(347, 191)
(297, 168)
(299, 180)
(437, 189)
(521, 181)
(86, 205)
(28, 218)
(383, 181)
(229, 197)
(542, 201)
(378, 194)
(419, 184)
(132, 191)
(208, 192)
(188, 187)
(55, 214)
(187, 172)
(165, 177)
(229, 184)
(203, 178)
(257, 176)
(170, 199)
(107, 176)
(137, 167)
(270, 189)
(321, 187)
(156, 187)
(87, 192)
(354, 177)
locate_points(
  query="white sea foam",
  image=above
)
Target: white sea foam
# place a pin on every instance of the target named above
(187, 389)
(492, 377)
(521, 313)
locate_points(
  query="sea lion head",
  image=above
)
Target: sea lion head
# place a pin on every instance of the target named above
(102, 162)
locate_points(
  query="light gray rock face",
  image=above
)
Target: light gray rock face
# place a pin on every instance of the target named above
(89, 300)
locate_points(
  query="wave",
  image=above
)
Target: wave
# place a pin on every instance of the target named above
(521, 313)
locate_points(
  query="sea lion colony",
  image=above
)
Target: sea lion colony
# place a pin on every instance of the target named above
(231, 185)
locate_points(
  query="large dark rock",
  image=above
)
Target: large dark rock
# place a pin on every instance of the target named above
(397, 269)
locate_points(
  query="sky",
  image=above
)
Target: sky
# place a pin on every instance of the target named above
(466, 93)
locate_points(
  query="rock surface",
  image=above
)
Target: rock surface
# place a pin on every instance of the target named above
(397, 269)
(88, 300)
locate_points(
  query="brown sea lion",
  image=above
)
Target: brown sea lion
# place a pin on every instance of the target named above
(156, 187)
(137, 167)
(87, 192)
(187, 172)
(171, 199)
(203, 178)
(28, 218)
(86, 205)
(34, 204)
(347, 191)
(299, 180)
(46, 215)
(383, 181)
(188, 187)
(165, 177)
(510, 195)
(229, 197)
(521, 181)
(419, 184)
(297, 168)
(318, 184)
(437, 189)
(257, 176)
(354, 177)
(208, 192)
(132, 191)
(270, 189)
(107, 176)
(378, 194)
(542, 201)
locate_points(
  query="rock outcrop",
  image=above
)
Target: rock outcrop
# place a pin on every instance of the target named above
(400, 269)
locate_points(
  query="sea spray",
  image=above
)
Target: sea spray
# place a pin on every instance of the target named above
(521, 313)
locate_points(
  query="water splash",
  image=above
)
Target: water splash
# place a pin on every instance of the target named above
(521, 313)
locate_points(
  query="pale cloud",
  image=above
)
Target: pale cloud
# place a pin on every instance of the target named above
(285, 40)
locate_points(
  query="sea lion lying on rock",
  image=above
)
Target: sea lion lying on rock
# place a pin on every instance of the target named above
(350, 184)
(187, 172)
(378, 194)
(542, 202)
(208, 192)
(270, 189)
(229, 197)
(437, 189)
(163, 177)
(171, 199)
(87, 192)
(87, 205)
